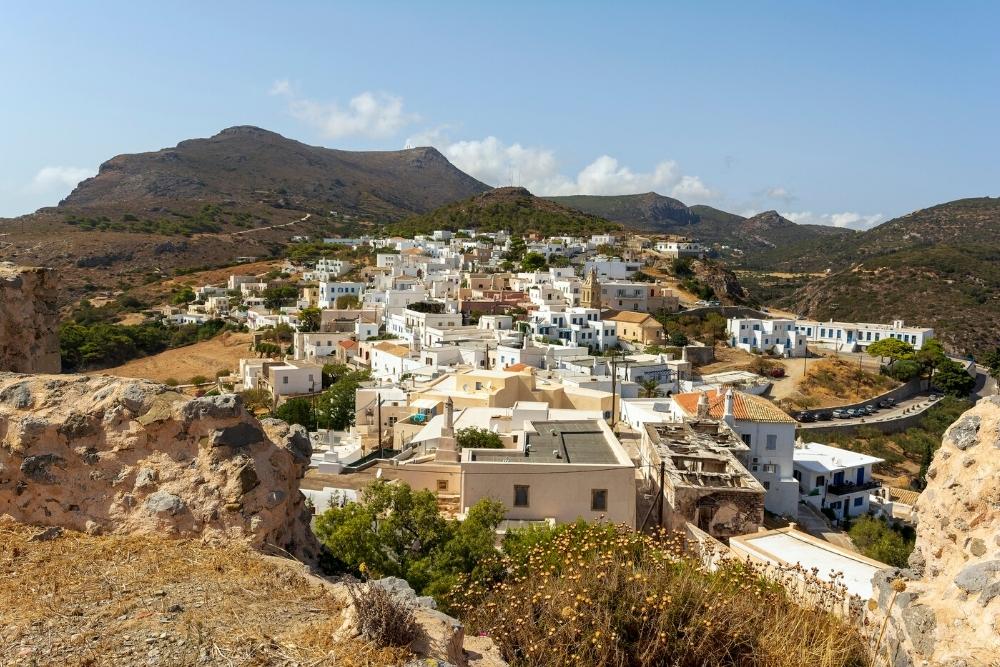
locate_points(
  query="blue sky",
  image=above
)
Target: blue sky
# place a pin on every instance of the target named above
(842, 113)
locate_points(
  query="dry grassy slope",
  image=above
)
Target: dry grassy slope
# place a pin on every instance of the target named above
(115, 600)
(205, 358)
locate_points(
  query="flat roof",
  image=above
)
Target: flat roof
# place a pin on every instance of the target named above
(569, 442)
(818, 457)
(790, 547)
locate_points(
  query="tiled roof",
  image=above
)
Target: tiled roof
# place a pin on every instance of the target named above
(631, 317)
(347, 344)
(746, 407)
(514, 368)
(905, 496)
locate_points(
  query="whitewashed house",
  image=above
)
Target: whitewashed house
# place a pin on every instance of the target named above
(779, 336)
(834, 478)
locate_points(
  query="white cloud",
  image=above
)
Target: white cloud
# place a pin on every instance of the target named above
(847, 219)
(280, 87)
(49, 179)
(779, 193)
(368, 114)
(494, 162)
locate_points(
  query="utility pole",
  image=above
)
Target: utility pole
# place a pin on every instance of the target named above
(663, 466)
(378, 410)
(614, 384)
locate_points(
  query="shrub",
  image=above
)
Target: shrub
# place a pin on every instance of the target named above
(481, 438)
(171, 382)
(888, 543)
(596, 594)
(382, 618)
(198, 379)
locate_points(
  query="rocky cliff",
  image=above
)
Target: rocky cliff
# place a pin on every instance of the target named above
(29, 320)
(945, 608)
(114, 455)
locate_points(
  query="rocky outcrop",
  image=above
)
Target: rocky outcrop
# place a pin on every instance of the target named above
(723, 282)
(29, 320)
(945, 608)
(114, 455)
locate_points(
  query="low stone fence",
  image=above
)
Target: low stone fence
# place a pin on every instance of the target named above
(885, 425)
(728, 311)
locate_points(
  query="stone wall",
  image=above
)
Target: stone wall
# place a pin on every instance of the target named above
(29, 320)
(945, 608)
(114, 455)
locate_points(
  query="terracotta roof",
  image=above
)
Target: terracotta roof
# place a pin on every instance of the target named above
(746, 407)
(905, 496)
(413, 251)
(347, 344)
(631, 317)
(514, 368)
(393, 349)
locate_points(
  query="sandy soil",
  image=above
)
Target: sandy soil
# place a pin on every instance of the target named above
(182, 363)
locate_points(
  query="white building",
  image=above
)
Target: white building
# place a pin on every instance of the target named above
(834, 478)
(850, 336)
(611, 269)
(681, 248)
(334, 267)
(329, 292)
(315, 345)
(755, 335)
(579, 326)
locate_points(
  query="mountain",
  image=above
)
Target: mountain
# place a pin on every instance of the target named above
(644, 211)
(653, 212)
(248, 164)
(244, 192)
(513, 209)
(937, 267)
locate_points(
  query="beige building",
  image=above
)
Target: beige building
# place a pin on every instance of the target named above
(637, 327)
(561, 471)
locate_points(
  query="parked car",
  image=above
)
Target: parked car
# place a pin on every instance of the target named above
(823, 416)
(871, 409)
(805, 417)
(890, 402)
(934, 397)
(883, 404)
(840, 414)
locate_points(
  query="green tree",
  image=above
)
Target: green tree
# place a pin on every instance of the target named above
(310, 319)
(297, 411)
(198, 379)
(347, 301)
(395, 531)
(533, 261)
(477, 438)
(649, 388)
(256, 399)
(893, 348)
(335, 406)
(276, 297)
(991, 360)
(931, 355)
(952, 379)
(183, 295)
(876, 539)
(678, 339)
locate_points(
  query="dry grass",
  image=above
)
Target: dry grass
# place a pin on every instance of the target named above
(83, 600)
(612, 597)
(182, 363)
(833, 381)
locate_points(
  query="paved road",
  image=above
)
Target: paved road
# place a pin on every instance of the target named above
(903, 408)
(985, 385)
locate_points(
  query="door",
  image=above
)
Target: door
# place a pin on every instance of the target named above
(838, 478)
(861, 476)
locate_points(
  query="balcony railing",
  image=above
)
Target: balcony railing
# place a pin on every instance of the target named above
(847, 488)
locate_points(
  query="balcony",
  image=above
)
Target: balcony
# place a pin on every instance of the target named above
(848, 488)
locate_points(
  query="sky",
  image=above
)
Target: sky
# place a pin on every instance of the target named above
(846, 113)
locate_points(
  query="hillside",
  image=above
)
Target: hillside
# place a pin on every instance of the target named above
(248, 165)
(206, 202)
(644, 211)
(663, 215)
(937, 267)
(512, 209)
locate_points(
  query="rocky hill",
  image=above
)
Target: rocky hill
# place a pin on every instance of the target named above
(512, 209)
(938, 267)
(249, 165)
(945, 608)
(643, 211)
(653, 212)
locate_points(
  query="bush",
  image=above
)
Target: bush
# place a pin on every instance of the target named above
(888, 543)
(596, 594)
(479, 438)
(382, 618)
(171, 382)
(198, 379)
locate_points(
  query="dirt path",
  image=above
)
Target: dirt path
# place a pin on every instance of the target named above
(182, 363)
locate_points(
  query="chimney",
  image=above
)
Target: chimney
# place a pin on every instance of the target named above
(449, 417)
(727, 414)
(703, 405)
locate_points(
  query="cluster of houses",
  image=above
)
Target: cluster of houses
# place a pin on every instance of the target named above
(569, 367)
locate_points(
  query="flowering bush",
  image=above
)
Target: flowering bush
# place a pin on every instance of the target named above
(596, 594)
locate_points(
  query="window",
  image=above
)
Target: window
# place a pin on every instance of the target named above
(746, 438)
(767, 486)
(520, 495)
(284, 380)
(820, 480)
(442, 485)
(858, 501)
(599, 500)
(772, 441)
